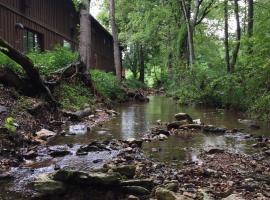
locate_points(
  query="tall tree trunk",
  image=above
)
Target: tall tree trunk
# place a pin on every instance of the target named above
(85, 42)
(142, 67)
(190, 31)
(117, 60)
(226, 37)
(170, 65)
(85, 35)
(250, 23)
(238, 35)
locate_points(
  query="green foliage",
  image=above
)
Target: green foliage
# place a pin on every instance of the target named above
(73, 96)
(134, 84)
(107, 85)
(51, 61)
(9, 125)
(6, 61)
(46, 62)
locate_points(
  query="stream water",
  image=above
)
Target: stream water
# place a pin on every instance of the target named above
(137, 118)
(134, 120)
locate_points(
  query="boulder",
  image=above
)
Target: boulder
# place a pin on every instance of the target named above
(146, 183)
(46, 186)
(135, 190)
(91, 178)
(183, 116)
(125, 170)
(58, 151)
(43, 135)
(164, 194)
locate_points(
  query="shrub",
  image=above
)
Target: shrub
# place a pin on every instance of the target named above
(107, 85)
(9, 125)
(134, 84)
(51, 61)
(73, 96)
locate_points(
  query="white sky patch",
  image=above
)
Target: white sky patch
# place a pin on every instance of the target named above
(96, 7)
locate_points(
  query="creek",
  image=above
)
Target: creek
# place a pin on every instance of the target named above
(134, 120)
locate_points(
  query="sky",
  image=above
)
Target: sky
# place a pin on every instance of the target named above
(95, 7)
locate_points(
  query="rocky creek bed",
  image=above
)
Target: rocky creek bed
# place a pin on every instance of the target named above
(121, 169)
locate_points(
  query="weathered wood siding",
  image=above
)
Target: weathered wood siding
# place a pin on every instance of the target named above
(56, 21)
(102, 48)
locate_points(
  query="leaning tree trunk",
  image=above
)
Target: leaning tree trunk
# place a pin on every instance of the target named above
(238, 35)
(116, 48)
(226, 37)
(29, 68)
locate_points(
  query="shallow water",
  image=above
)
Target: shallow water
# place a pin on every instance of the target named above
(135, 119)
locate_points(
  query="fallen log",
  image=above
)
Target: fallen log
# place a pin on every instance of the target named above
(29, 68)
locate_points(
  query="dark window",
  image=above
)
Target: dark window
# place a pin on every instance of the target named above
(32, 41)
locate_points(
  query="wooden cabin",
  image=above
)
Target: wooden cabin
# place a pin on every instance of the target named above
(43, 24)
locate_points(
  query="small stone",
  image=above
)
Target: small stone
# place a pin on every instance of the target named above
(30, 154)
(162, 137)
(233, 197)
(97, 161)
(132, 197)
(3, 109)
(58, 151)
(190, 195)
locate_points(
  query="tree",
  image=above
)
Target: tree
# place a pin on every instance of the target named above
(199, 13)
(85, 41)
(116, 48)
(226, 36)
(142, 67)
(250, 23)
(238, 36)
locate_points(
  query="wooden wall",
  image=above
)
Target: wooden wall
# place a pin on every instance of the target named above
(56, 20)
(102, 48)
